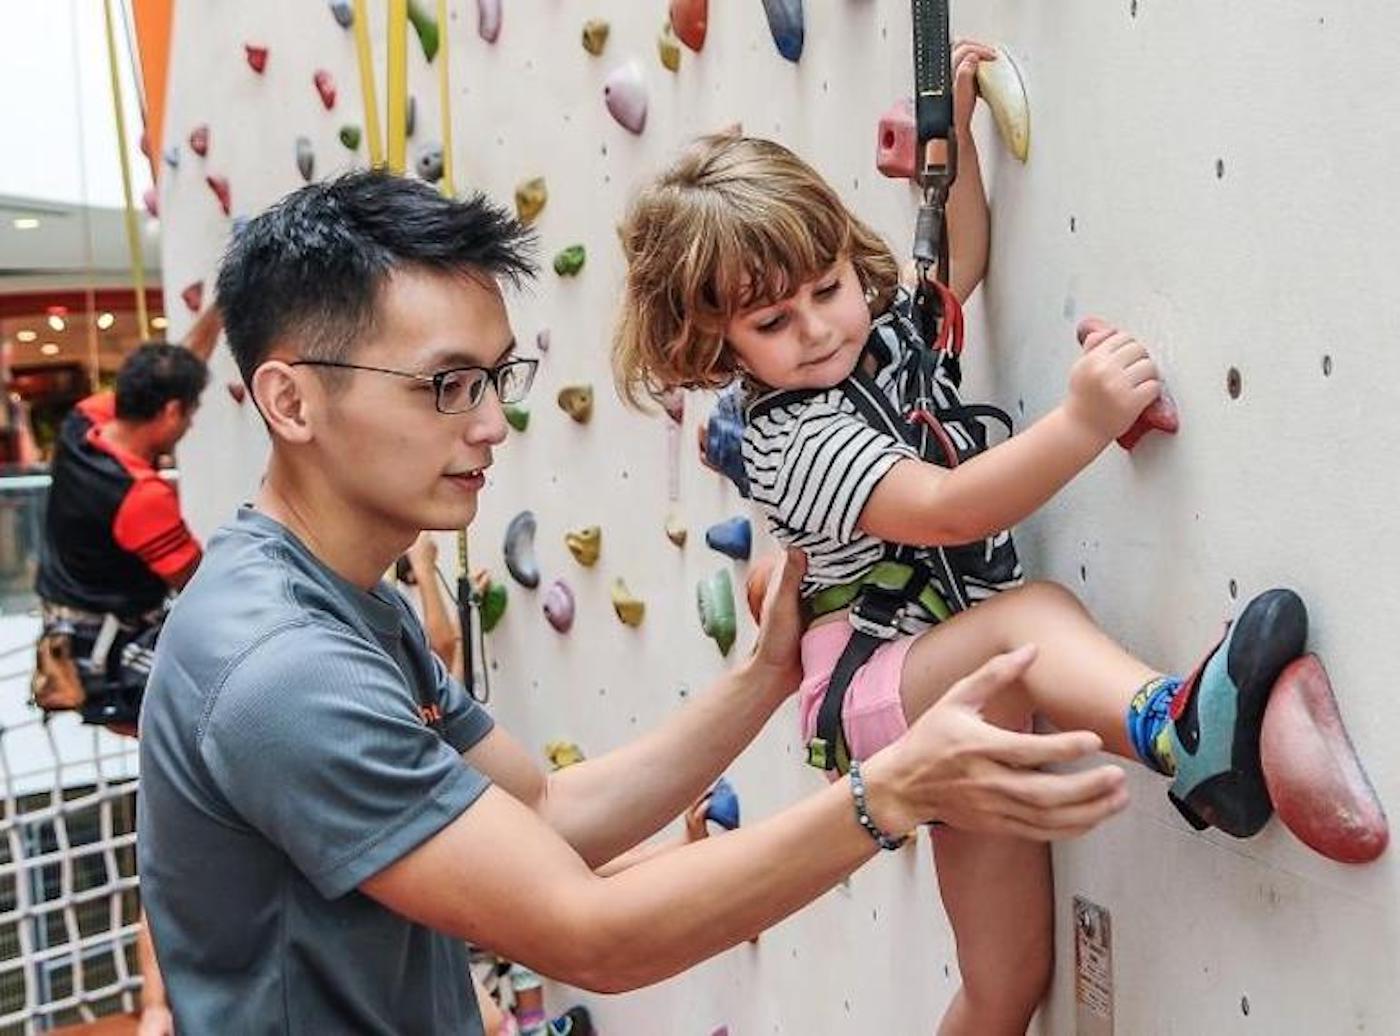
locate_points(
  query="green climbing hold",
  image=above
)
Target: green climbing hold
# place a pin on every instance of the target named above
(426, 26)
(350, 136)
(570, 261)
(715, 597)
(517, 416)
(492, 596)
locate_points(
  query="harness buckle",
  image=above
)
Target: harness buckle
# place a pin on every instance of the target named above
(877, 614)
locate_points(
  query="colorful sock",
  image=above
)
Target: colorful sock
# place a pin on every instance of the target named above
(1149, 714)
(532, 1024)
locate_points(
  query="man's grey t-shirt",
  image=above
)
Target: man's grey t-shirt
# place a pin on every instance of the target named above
(284, 760)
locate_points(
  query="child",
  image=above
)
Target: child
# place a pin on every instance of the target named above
(744, 264)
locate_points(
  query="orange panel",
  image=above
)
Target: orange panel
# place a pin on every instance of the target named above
(153, 18)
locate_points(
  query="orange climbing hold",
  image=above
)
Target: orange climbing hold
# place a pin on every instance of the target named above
(690, 19)
(1319, 788)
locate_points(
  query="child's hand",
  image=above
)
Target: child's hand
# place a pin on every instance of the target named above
(966, 56)
(423, 554)
(1112, 382)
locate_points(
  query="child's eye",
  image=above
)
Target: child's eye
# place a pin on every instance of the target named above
(827, 290)
(771, 324)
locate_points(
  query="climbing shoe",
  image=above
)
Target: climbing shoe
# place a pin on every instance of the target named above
(576, 1021)
(1217, 713)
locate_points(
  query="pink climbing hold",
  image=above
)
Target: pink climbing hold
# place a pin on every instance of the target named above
(257, 57)
(1159, 416)
(626, 96)
(325, 86)
(193, 296)
(151, 200)
(896, 144)
(558, 606)
(690, 19)
(219, 185)
(199, 140)
(488, 19)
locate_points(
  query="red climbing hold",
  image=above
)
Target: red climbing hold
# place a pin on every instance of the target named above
(219, 185)
(897, 141)
(325, 86)
(690, 19)
(193, 296)
(1160, 415)
(199, 140)
(237, 391)
(257, 57)
(152, 202)
(1319, 788)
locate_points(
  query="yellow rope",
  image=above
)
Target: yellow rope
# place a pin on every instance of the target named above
(133, 233)
(367, 91)
(449, 187)
(398, 85)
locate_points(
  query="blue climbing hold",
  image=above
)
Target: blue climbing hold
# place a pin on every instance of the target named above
(724, 437)
(733, 538)
(724, 805)
(785, 22)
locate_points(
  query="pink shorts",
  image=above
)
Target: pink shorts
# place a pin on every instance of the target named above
(873, 713)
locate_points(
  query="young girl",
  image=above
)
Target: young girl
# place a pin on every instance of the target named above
(744, 264)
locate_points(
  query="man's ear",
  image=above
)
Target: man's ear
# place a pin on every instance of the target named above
(279, 393)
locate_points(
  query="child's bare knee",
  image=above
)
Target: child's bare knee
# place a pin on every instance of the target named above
(1049, 597)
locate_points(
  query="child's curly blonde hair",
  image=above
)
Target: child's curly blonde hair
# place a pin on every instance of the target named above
(736, 222)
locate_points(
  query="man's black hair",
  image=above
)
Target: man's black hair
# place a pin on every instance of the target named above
(313, 266)
(153, 375)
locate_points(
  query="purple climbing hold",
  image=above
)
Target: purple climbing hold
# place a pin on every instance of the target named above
(724, 805)
(488, 19)
(786, 24)
(306, 158)
(558, 606)
(542, 340)
(520, 550)
(733, 538)
(626, 95)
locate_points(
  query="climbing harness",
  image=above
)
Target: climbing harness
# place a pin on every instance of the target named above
(933, 121)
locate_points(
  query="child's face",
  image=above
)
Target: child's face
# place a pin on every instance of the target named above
(811, 339)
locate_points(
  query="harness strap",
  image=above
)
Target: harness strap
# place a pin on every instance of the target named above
(886, 575)
(933, 120)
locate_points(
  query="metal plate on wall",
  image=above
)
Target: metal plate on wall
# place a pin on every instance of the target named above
(1093, 969)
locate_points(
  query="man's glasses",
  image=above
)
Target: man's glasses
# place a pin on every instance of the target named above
(459, 389)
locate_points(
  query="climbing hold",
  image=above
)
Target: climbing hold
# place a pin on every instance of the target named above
(570, 261)
(344, 12)
(895, 142)
(237, 390)
(219, 185)
(426, 26)
(239, 223)
(325, 86)
(576, 1021)
(172, 156)
(530, 198)
(715, 597)
(673, 402)
(410, 118)
(785, 23)
(488, 19)
(151, 200)
(631, 610)
(562, 753)
(520, 550)
(676, 531)
(1001, 86)
(689, 20)
(199, 141)
(492, 598)
(518, 417)
(257, 57)
(595, 35)
(756, 583)
(1319, 788)
(558, 605)
(306, 158)
(193, 296)
(585, 545)
(1160, 415)
(724, 805)
(429, 164)
(350, 136)
(626, 95)
(668, 48)
(733, 538)
(577, 402)
(542, 339)
(722, 438)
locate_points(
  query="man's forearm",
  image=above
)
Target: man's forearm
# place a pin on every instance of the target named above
(605, 806)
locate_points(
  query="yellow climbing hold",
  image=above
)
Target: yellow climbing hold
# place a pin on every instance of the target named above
(562, 753)
(530, 197)
(669, 48)
(1004, 91)
(577, 402)
(676, 531)
(585, 545)
(595, 36)
(631, 610)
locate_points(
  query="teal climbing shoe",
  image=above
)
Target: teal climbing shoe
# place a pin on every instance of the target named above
(1217, 714)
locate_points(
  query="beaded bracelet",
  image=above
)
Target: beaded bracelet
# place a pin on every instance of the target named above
(883, 840)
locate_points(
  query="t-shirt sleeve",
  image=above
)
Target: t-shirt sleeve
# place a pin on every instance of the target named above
(315, 739)
(149, 524)
(464, 721)
(824, 464)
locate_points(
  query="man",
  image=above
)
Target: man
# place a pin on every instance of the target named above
(325, 815)
(115, 544)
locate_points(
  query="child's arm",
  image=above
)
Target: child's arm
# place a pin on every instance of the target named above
(921, 503)
(968, 217)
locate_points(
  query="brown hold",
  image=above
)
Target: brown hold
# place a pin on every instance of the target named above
(325, 86)
(585, 545)
(193, 296)
(690, 19)
(199, 140)
(219, 185)
(577, 402)
(530, 198)
(257, 57)
(595, 35)
(238, 391)
(676, 531)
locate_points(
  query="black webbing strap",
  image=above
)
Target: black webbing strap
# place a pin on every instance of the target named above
(933, 120)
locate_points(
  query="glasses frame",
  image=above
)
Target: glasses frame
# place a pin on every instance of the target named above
(493, 375)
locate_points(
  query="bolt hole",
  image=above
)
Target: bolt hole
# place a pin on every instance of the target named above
(1220, 168)
(1244, 1005)
(1073, 224)
(1327, 366)
(1083, 574)
(1234, 589)
(1234, 384)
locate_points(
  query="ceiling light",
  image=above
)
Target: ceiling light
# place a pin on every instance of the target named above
(26, 223)
(57, 322)
(49, 348)
(105, 321)
(27, 336)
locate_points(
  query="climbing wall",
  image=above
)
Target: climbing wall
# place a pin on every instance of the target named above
(1193, 190)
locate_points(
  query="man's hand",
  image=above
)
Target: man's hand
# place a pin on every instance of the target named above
(156, 1021)
(955, 767)
(777, 656)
